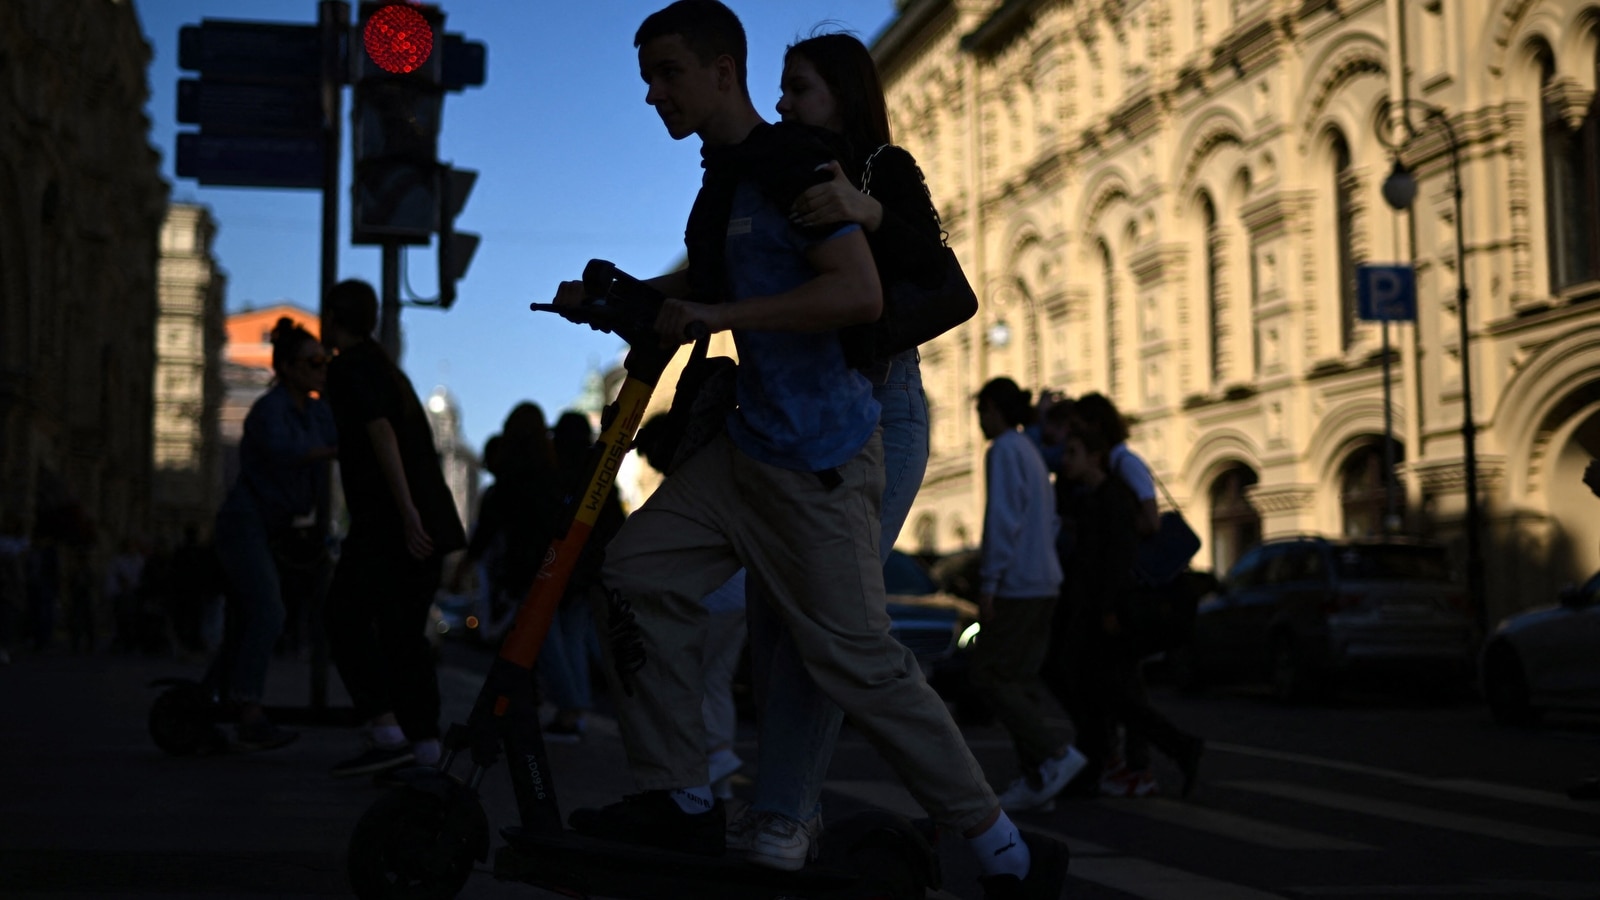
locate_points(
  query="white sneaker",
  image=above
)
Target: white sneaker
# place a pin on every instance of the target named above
(1057, 772)
(783, 843)
(1026, 796)
(1023, 797)
(741, 833)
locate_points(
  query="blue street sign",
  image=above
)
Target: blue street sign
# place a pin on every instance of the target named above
(1386, 293)
(226, 160)
(270, 51)
(250, 107)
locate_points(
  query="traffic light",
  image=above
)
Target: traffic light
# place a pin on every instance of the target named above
(455, 247)
(397, 54)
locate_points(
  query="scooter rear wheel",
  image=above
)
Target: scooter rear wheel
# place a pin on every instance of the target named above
(891, 867)
(402, 850)
(181, 723)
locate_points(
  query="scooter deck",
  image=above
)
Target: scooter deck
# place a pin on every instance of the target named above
(595, 867)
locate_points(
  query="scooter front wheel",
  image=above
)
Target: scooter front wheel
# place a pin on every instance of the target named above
(404, 849)
(182, 723)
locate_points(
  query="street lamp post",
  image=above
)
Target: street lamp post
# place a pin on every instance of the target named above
(1399, 191)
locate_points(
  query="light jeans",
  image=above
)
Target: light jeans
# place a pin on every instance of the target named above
(799, 725)
(725, 636)
(563, 663)
(256, 593)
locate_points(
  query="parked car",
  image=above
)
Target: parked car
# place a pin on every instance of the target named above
(934, 624)
(1546, 658)
(1303, 613)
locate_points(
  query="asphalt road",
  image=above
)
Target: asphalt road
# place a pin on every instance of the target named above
(1366, 796)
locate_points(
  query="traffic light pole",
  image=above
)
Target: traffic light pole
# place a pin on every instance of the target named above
(333, 21)
(389, 327)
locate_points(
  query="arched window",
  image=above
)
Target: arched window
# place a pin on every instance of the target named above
(1344, 224)
(1362, 495)
(925, 534)
(1572, 188)
(1213, 284)
(1113, 326)
(1235, 524)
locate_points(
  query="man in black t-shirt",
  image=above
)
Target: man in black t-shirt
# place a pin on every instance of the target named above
(402, 522)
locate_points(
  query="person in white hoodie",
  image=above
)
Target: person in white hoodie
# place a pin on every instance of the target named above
(1020, 581)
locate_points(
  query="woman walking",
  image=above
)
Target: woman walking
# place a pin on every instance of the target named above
(269, 540)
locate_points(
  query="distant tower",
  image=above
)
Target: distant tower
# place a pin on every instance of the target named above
(456, 458)
(187, 487)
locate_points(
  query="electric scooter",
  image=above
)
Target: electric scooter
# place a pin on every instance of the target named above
(420, 839)
(188, 716)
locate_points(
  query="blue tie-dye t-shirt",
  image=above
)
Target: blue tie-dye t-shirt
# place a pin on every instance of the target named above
(801, 406)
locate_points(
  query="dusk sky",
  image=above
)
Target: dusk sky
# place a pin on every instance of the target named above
(572, 165)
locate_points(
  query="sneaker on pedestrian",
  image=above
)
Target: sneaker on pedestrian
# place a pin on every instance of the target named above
(741, 832)
(1030, 792)
(654, 818)
(1046, 878)
(1125, 783)
(1023, 795)
(1114, 781)
(1056, 772)
(376, 758)
(262, 735)
(783, 843)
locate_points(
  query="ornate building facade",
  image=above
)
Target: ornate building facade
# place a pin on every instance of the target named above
(1166, 201)
(81, 207)
(188, 381)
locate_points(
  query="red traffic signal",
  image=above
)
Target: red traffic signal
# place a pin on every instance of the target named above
(398, 38)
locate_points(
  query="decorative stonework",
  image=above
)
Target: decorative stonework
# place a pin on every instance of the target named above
(1449, 476)
(1282, 498)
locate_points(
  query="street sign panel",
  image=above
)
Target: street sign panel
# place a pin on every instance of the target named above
(226, 160)
(1386, 293)
(250, 107)
(269, 51)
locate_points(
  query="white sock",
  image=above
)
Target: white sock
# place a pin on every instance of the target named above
(388, 736)
(695, 800)
(427, 752)
(1001, 850)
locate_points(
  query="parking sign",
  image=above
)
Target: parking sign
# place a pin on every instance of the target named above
(1386, 293)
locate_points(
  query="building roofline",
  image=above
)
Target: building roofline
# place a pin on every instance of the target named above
(1003, 24)
(900, 34)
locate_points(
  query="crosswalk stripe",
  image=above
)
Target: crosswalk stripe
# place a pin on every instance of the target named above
(893, 797)
(1416, 815)
(1143, 878)
(1469, 786)
(1554, 890)
(1228, 825)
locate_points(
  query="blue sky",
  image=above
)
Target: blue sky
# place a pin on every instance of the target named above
(572, 165)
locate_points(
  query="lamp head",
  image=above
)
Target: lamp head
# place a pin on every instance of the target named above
(1400, 188)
